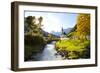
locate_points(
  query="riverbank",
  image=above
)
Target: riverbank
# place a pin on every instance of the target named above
(48, 53)
(32, 50)
(73, 49)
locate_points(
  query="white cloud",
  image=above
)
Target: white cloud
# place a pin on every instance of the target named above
(51, 23)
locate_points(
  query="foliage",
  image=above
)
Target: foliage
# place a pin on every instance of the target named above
(75, 48)
(33, 37)
(83, 25)
(82, 28)
(70, 34)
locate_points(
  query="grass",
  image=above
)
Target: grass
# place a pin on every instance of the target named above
(72, 45)
(75, 48)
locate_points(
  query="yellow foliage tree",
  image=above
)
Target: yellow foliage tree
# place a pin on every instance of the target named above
(83, 25)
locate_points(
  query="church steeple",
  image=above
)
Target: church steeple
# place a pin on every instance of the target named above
(62, 30)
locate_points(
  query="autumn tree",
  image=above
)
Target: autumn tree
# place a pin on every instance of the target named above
(83, 25)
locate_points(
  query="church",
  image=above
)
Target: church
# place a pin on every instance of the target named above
(63, 35)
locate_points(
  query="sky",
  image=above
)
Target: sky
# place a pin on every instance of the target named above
(54, 21)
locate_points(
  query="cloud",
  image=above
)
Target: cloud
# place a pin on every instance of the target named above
(51, 23)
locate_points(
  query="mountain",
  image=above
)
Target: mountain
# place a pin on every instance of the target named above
(47, 33)
(56, 33)
(66, 31)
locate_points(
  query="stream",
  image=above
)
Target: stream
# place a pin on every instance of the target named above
(49, 53)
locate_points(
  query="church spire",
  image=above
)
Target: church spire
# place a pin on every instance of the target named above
(62, 29)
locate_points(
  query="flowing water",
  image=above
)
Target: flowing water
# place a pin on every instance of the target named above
(49, 53)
